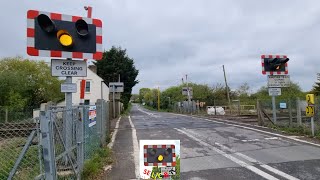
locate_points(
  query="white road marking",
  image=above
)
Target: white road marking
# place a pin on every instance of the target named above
(269, 168)
(150, 114)
(252, 160)
(258, 130)
(135, 148)
(250, 140)
(276, 171)
(272, 138)
(268, 138)
(114, 134)
(230, 157)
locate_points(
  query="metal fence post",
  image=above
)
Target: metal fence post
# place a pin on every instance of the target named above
(299, 121)
(103, 123)
(80, 140)
(107, 118)
(46, 127)
(99, 119)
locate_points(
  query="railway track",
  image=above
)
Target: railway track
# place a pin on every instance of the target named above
(10, 130)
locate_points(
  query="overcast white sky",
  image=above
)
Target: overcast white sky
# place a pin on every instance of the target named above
(168, 39)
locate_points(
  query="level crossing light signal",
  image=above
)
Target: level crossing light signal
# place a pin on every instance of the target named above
(159, 155)
(274, 64)
(64, 36)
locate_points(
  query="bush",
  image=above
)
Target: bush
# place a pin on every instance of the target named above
(94, 166)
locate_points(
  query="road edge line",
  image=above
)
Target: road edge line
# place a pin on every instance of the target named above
(110, 145)
(135, 148)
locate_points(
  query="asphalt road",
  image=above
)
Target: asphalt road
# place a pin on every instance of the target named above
(213, 150)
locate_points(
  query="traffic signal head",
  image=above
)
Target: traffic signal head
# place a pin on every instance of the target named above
(46, 23)
(274, 64)
(59, 35)
(159, 155)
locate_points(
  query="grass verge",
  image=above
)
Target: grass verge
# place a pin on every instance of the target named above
(296, 130)
(10, 150)
(94, 166)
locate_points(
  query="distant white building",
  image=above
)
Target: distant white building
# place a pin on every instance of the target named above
(95, 88)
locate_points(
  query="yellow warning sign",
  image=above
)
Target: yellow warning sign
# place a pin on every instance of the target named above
(310, 111)
(310, 98)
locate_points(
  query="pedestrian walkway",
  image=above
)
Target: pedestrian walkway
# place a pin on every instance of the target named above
(123, 166)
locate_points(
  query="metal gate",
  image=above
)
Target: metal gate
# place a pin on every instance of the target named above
(62, 141)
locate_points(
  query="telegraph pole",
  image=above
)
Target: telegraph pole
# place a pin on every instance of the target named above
(188, 91)
(227, 88)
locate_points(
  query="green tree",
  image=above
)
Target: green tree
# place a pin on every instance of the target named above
(135, 98)
(154, 97)
(116, 62)
(291, 92)
(142, 92)
(243, 90)
(243, 94)
(26, 84)
(316, 88)
(201, 92)
(220, 94)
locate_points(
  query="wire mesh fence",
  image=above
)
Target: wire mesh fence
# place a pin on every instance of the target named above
(195, 107)
(291, 113)
(91, 132)
(20, 150)
(287, 110)
(55, 144)
(10, 115)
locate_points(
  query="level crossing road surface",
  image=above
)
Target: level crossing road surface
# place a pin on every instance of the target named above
(213, 150)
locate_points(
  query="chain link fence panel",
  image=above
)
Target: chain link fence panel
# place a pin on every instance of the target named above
(72, 135)
(20, 149)
(290, 112)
